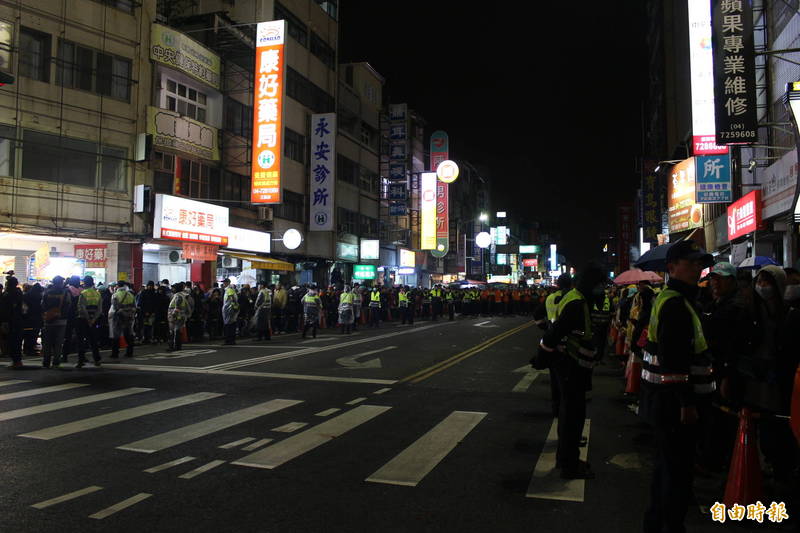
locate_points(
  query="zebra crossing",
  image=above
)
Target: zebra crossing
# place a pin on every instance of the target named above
(407, 465)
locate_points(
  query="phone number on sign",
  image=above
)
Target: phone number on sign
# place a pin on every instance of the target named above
(737, 134)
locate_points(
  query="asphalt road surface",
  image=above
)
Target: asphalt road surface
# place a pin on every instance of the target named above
(441, 426)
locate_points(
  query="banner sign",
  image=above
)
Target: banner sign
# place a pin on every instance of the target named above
(713, 179)
(94, 255)
(778, 185)
(176, 50)
(683, 213)
(200, 252)
(439, 149)
(323, 170)
(533, 263)
(624, 236)
(734, 71)
(268, 96)
(651, 214)
(701, 64)
(172, 131)
(397, 191)
(427, 210)
(249, 240)
(744, 215)
(398, 159)
(363, 272)
(182, 219)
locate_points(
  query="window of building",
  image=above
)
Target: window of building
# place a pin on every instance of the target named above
(366, 134)
(347, 221)
(295, 27)
(368, 180)
(308, 94)
(122, 5)
(163, 172)
(323, 51)
(34, 54)
(781, 13)
(90, 70)
(8, 135)
(238, 118)
(187, 101)
(236, 187)
(293, 207)
(347, 170)
(6, 42)
(368, 226)
(294, 145)
(198, 180)
(113, 166)
(331, 7)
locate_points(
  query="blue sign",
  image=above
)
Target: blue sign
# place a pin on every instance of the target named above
(713, 179)
(397, 209)
(397, 191)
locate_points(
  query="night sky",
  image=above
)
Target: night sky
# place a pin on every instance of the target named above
(545, 95)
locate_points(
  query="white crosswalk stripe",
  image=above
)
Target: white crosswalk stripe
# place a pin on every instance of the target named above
(206, 427)
(42, 390)
(546, 482)
(118, 416)
(48, 407)
(199, 470)
(170, 464)
(66, 497)
(14, 382)
(415, 462)
(117, 507)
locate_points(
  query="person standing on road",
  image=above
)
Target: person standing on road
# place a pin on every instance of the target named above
(55, 308)
(675, 371)
(120, 319)
(358, 306)
(230, 313)
(177, 315)
(312, 307)
(402, 302)
(147, 308)
(73, 285)
(375, 308)
(263, 307)
(88, 312)
(569, 345)
(12, 303)
(436, 302)
(451, 304)
(31, 319)
(279, 300)
(346, 313)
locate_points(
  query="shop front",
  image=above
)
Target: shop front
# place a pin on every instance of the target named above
(346, 257)
(407, 271)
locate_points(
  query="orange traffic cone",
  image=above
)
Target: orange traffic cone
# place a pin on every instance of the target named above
(794, 420)
(633, 375)
(122, 342)
(745, 485)
(184, 334)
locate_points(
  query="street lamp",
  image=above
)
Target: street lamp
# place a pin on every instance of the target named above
(484, 217)
(668, 162)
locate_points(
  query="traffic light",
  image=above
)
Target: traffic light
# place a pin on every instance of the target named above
(6, 79)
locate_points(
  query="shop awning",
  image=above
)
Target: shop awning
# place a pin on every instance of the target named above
(262, 262)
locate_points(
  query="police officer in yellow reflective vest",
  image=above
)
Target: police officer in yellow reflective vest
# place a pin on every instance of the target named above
(601, 319)
(551, 302)
(375, 307)
(436, 301)
(451, 304)
(573, 355)
(405, 309)
(675, 373)
(120, 319)
(89, 307)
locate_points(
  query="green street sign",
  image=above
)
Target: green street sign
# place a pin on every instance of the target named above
(365, 272)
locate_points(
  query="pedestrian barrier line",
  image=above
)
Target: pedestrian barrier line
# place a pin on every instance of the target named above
(457, 358)
(14, 382)
(256, 445)
(291, 427)
(66, 497)
(356, 401)
(411, 465)
(381, 391)
(170, 464)
(296, 445)
(236, 443)
(118, 416)
(124, 504)
(42, 390)
(201, 469)
(546, 482)
(328, 412)
(184, 434)
(48, 407)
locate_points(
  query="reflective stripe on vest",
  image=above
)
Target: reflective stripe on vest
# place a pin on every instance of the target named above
(577, 341)
(700, 373)
(402, 299)
(551, 306)
(92, 297)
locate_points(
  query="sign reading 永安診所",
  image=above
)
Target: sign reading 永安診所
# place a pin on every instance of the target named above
(712, 184)
(734, 72)
(323, 169)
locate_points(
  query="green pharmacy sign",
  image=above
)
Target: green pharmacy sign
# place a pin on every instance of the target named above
(365, 272)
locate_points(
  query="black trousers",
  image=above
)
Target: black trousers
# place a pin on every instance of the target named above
(437, 308)
(230, 333)
(408, 314)
(127, 332)
(671, 487)
(375, 317)
(175, 342)
(87, 334)
(312, 325)
(572, 380)
(451, 310)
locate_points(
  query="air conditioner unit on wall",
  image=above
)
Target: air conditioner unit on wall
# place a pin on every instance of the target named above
(176, 256)
(231, 262)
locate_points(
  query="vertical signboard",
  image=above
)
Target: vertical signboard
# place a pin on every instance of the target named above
(651, 215)
(734, 72)
(701, 63)
(624, 232)
(683, 212)
(398, 159)
(713, 179)
(440, 148)
(439, 152)
(268, 95)
(322, 184)
(744, 215)
(427, 211)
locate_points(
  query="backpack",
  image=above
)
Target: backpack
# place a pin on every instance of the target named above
(54, 313)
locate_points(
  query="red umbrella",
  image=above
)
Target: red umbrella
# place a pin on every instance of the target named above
(635, 275)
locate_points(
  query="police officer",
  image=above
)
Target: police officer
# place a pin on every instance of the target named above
(569, 344)
(564, 284)
(375, 308)
(263, 310)
(451, 304)
(230, 312)
(120, 319)
(312, 306)
(675, 371)
(177, 314)
(436, 302)
(88, 312)
(402, 303)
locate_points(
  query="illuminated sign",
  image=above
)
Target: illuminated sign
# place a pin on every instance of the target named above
(407, 258)
(200, 252)
(530, 249)
(502, 235)
(182, 219)
(249, 240)
(683, 212)
(502, 259)
(405, 271)
(553, 257)
(447, 171)
(365, 272)
(427, 211)
(701, 63)
(94, 255)
(533, 263)
(744, 215)
(323, 170)
(483, 239)
(501, 214)
(268, 97)
(370, 249)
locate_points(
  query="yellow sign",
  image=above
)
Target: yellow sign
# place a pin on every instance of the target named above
(176, 50)
(170, 130)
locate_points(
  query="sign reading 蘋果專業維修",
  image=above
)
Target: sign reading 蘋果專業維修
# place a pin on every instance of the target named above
(323, 171)
(713, 179)
(744, 215)
(734, 71)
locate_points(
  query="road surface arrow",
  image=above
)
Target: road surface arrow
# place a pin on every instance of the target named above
(350, 361)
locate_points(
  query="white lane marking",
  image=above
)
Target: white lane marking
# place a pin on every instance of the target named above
(318, 349)
(95, 422)
(47, 407)
(356, 401)
(381, 391)
(168, 439)
(291, 427)
(328, 412)
(546, 482)
(296, 445)
(66, 497)
(14, 382)
(525, 382)
(42, 390)
(482, 323)
(236, 443)
(256, 445)
(265, 345)
(124, 504)
(411, 465)
(350, 361)
(170, 464)
(199, 470)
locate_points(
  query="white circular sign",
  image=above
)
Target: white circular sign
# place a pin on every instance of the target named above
(447, 171)
(483, 240)
(266, 159)
(292, 238)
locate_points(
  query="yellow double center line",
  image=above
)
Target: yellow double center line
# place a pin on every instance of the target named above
(447, 363)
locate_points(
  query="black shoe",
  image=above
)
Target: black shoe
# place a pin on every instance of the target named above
(80, 364)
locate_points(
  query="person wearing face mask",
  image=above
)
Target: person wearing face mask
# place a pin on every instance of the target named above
(676, 373)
